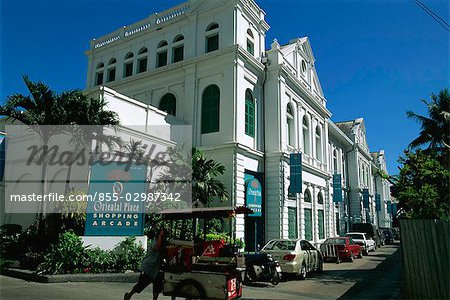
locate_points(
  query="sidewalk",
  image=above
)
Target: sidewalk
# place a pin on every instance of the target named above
(385, 282)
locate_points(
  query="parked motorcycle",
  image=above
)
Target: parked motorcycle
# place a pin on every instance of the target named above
(262, 267)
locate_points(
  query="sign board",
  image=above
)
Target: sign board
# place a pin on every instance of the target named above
(394, 209)
(295, 163)
(112, 208)
(253, 196)
(337, 188)
(378, 202)
(365, 194)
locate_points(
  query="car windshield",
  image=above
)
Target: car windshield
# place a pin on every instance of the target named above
(335, 241)
(280, 245)
(355, 236)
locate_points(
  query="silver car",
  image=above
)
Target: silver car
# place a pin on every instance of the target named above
(295, 256)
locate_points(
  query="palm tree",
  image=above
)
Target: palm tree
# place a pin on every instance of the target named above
(205, 186)
(45, 107)
(435, 128)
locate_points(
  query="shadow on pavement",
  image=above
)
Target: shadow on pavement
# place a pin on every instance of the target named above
(383, 282)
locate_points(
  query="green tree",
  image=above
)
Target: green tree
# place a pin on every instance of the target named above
(205, 185)
(45, 107)
(422, 186)
(435, 128)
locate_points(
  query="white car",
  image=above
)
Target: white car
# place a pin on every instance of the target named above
(295, 256)
(360, 238)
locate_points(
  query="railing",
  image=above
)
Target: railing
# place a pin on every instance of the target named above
(143, 25)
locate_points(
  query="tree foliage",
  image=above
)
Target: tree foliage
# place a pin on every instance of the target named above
(422, 186)
(435, 128)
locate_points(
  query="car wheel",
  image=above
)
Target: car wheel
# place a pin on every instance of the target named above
(351, 258)
(366, 252)
(302, 274)
(360, 255)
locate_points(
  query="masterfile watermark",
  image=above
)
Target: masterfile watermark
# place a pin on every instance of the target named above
(96, 169)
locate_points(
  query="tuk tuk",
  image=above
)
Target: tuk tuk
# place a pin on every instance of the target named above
(195, 268)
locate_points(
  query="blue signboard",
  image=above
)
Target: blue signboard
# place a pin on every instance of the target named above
(253, 196)
(337, 188)
(295, 163)
(365, 194)
(378, 202)
(114, 207)
(394, 209)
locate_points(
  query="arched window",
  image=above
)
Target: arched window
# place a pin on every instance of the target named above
(335, 161)
(250, 42)
(142, 60)
(210, 109)
(290, 125)
(99, 74)
(249, 114)
(303, 68)
(168, 104)
(178, 49)
(112, 70)
(128, 65)
(318, 143)
(307, 196)
(212, 37)
(320, 198)
(306, 136)
(161, 55)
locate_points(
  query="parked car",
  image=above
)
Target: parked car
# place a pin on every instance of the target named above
(295, 256)
(382, 237)
(370, 230)
(389, 235)
(339, 249)
(367, 244)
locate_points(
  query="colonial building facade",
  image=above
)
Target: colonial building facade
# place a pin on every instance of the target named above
(204, 64)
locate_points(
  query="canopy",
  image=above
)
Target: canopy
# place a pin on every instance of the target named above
(205, 213)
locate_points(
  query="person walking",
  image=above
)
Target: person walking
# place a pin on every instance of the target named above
(150, 269)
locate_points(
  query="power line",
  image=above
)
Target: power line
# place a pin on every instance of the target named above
(435, 16)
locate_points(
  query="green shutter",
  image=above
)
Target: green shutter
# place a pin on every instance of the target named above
(178, 54)
(321, 224)
(168, 104)
(162, 59)
(142, 65)
(308, 224)
(292, 222)
(212, 43)
(249, 114)
(210, 109)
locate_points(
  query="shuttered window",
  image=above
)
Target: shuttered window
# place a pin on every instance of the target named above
(210, 109)
(308, 224)
(292, 221)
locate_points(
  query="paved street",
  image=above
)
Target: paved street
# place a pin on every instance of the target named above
(377, 276)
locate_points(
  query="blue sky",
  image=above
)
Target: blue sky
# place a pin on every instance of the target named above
(375, 58)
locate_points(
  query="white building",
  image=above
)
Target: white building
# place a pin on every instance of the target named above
(204, 63)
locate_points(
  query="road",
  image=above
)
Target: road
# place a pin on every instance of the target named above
(377, 276)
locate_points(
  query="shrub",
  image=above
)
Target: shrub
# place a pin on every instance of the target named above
(223, 236)
(98, 261)
(31, 260)
(10, 248)
(65, 257)
(128, 255)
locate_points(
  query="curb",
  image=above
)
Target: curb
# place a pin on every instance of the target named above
(109, 277)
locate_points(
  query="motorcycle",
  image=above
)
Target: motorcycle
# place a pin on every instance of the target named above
(262, 267)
